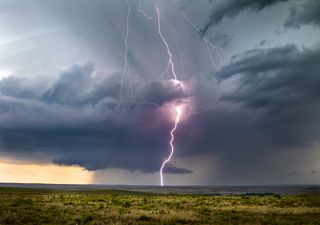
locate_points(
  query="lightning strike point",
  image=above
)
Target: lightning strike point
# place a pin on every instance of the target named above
(171, 143)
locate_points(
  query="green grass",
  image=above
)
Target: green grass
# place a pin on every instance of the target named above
(34, 206)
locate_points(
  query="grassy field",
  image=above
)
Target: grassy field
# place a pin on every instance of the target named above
(35, 206)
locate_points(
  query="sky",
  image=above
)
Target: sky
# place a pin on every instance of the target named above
(88, 94)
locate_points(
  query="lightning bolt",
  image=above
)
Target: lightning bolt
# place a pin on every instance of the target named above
(143, 12)
(178, 115)
(211, 56)
(207, 43)
(125, 66)
(178, 109)
(112, 37)
(183, 56)
(170, 62)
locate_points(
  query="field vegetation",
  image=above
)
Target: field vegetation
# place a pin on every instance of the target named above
(35, 206)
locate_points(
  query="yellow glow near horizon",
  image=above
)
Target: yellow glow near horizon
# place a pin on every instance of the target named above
(21, 172)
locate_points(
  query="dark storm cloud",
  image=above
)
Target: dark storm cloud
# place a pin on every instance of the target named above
(231, 8)
(281, 85)
(79, 120)
(162, 92)
(307, 12)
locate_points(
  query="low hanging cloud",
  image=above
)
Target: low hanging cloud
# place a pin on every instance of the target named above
(176, 170)
(78, 120)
